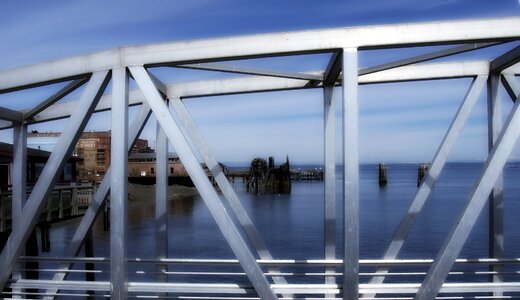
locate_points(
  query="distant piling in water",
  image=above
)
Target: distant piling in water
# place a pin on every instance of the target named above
(382, 175)
(266, 178)
(421, 172)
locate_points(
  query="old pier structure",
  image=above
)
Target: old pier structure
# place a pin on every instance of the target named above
(341, 277)
(266, 178)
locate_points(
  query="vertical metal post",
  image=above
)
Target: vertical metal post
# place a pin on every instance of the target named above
(205, 188)
(199, 143)
(36, 201)
(496, 197)
(430, 179)
(161, 200)
(330, 179)
(119, 186)
(350, 175)
(98, 201)
(476, 201)
(19, 173)
(19, 180)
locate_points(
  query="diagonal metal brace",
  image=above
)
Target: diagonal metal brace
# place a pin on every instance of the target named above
(98, 201)
(475, 203)
(36, 202)
(206, 190)
(224, 185)
(432, 175)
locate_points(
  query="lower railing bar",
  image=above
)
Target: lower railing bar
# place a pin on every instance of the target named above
(217, 288)
(316, 262)
(451, 273)
(209, 273)
(443, 298)
(45, 294)
(65, 259)
(233, 298)
(412, 288)
(61, 270)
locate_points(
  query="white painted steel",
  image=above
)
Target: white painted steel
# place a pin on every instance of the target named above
(230, 288)
(428, 71)
(261, 45)
(208, 193)
(350, 175)
(425, 57)
(430, 179)
(69, 88)
(97, 203)
(496, 197)
(19, 182)
(50, 173)
(19, 174)
(161, 199)
(274, 262)
(227, 190)
(323, 40)
(512, 86)
(201, 54)
(255, 84)
(119, 186)
(250, 71)
(330, 178)
(505, 61)
(10, 115)
(59, 70)
(465, 222)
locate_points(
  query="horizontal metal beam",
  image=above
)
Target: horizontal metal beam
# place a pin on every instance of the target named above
(69, 88)
(505, 61)
(274, 262)
(432, 175)
(312, 41)
(433, 71)
(256, 84)
(221, 216)
(249, 71)
(58, 70)
(466, 221)
(241, 289)
(425, 57)
(10, 115)
(263, 45)
(50, 173)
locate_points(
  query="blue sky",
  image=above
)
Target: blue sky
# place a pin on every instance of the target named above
(398, 122)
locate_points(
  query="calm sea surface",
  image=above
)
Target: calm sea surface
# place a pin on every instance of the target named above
(292, 225)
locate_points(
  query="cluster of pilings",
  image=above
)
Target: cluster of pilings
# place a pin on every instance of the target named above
(383, 179)
(268, 179)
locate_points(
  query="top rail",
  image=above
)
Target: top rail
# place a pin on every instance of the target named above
(264, 45)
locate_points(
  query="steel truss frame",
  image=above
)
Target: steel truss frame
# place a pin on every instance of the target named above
(176, 127)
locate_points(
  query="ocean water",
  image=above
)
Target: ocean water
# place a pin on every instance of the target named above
(292, 225)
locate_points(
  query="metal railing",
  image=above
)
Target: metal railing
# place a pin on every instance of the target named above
(187, 278)
(64, 202)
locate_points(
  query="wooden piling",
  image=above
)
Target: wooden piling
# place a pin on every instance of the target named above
(382, 175)
(106, 217)
(45, 236)
(89, 267)
(31, 249)
(423, 169)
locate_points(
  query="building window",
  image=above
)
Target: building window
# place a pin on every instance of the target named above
(152, 171)
(171, 170)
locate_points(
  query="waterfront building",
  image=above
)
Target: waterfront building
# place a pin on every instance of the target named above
(92, 147)
(36, 159)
